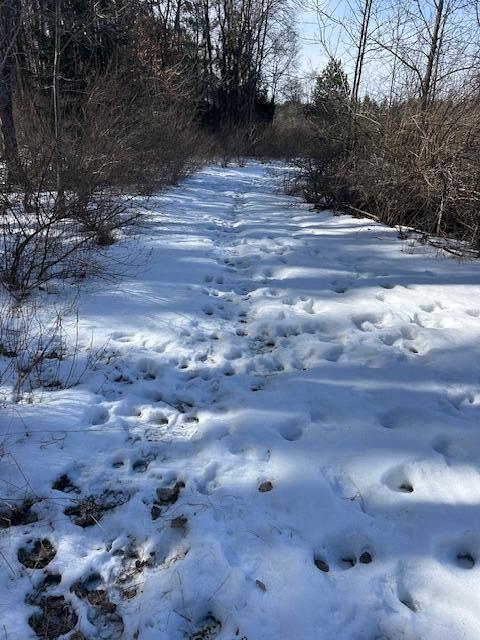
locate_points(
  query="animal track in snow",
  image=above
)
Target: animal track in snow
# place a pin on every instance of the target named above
(398, 480)
(454, 449)
(36, 554)
(405, 417)
(462, 553)
(340, 286)
(208, 483)
(99, 415)
(207, 629)
(368, 321)
(430, 307)
(291, 431)
(141, 464)
(228, 370)
(462, 400)
(87, 511)
(344, 552)
(333, 354)
(101, 612)
(341, 483)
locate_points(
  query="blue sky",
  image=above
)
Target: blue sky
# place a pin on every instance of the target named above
(311, 53)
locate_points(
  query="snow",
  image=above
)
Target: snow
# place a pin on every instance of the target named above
(256, 342)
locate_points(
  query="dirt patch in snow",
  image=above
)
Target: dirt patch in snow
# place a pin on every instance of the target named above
(36, 554)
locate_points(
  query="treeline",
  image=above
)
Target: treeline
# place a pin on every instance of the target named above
(398, 137)
(72, 72)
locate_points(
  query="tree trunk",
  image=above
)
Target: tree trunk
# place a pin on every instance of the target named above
(9, 10)
(361, 49)
(60, 202)
(433, 54)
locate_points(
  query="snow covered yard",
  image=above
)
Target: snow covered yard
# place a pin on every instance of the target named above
(280, 444)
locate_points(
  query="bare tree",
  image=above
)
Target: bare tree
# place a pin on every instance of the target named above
(9, 23)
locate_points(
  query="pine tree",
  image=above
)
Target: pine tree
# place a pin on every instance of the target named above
(331, 93)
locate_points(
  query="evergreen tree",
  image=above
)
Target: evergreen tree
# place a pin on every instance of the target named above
(331, 94)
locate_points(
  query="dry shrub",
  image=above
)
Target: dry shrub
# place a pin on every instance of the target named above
(404, 165)
(235, 143)
(290, 136)
(422, 170)
(118, 139)
(139, 138)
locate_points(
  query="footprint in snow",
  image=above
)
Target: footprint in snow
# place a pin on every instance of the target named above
(465, 559)
(233, 354)
(208, 629)
(291, 431)
(462, 553)
(257, 385)
(228, 371)
(99, 415)
(354, 550)
(141, 464)
(36, 554)
(390, 338)
(87, 511)
(126, 410)
(368, 321)
(463, 400)
(340, 286)
(399, 480)
(54, 615)
(65, 484)
(453, 450)
(404, 417)
(101, 612)
(341, 484)
(333, 354)
(428, 308)
(208, 483)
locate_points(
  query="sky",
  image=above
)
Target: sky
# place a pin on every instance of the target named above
(311, 56)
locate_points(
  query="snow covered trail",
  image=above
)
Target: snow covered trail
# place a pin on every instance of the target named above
(281, 442)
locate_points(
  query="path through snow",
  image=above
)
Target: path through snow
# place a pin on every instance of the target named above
(281, 444)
